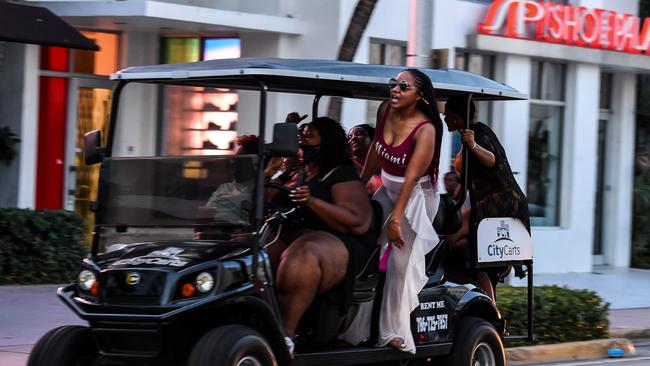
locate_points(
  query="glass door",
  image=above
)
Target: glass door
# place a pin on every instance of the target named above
(90, 104)
(601, 190)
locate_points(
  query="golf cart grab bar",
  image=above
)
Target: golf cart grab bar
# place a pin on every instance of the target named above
(464, 173)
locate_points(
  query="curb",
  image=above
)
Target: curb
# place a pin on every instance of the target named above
(567, 351)
(630, 333)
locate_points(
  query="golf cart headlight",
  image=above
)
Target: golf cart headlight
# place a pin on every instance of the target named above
(204, 282)
(87, 279)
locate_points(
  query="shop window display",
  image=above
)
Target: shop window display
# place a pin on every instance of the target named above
(544, 142)
(199, 121)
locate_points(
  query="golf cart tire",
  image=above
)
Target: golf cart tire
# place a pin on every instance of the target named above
(475, 335)
(228, 345)
(69, 345)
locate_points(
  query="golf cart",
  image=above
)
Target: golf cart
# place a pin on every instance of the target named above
(181, 301)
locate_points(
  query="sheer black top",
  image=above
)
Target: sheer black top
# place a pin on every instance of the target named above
(494, 192)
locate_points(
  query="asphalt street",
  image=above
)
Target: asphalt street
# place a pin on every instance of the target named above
(28, 312)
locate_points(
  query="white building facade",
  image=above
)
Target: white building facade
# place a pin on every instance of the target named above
(571, 145)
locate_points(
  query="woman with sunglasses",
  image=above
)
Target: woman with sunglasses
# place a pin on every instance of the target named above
(407, 147)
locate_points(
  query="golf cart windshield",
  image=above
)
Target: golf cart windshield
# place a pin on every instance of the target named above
(177, 192)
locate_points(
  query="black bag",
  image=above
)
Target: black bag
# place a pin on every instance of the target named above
(448, 220)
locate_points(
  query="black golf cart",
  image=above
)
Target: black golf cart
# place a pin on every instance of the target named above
(173, 300)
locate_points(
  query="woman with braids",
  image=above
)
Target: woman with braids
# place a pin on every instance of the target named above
(407, 147)
(335, 238)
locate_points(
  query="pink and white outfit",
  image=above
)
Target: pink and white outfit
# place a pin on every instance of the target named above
(406, 272)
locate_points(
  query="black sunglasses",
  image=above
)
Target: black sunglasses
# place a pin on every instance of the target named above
(403, 85)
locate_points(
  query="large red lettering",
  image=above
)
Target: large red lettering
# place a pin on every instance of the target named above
(644, 38)
(557, 23)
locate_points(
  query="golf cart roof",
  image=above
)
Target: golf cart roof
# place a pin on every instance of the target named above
(323, 77)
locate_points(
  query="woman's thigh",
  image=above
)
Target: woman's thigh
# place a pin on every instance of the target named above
(330, 252)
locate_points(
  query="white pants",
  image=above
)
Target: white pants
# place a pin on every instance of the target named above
(406, 272)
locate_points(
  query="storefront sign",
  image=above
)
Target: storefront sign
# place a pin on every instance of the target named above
(566, 24)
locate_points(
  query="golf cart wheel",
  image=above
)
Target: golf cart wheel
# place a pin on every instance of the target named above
(477, 343)
(232, 345)
(70, 345)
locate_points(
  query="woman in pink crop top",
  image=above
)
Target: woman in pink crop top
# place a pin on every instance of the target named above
(407, 147)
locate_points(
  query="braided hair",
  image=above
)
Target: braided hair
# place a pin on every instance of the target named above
(429, 106)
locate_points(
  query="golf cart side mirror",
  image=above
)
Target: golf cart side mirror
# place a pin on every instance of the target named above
(285, 140)
(93, 152)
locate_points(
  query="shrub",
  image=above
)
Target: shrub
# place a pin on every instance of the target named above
(43, 246)
(561, 314)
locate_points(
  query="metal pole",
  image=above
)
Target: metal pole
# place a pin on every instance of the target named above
(465, 173)
(259, 187)
(531, 299)
(314, 107)
(112, 126)
(420, 31)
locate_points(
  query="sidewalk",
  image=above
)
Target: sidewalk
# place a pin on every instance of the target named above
(622, 288)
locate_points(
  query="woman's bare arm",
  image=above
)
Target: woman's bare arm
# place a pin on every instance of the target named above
(485, 156)
(417, 167)
(350, 211)
(372, 159)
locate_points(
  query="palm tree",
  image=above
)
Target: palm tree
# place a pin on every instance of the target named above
(358, 22)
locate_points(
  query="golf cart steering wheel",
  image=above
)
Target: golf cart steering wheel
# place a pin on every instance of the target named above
(284, 204)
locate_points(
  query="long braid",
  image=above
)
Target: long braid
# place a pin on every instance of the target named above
(429, 106)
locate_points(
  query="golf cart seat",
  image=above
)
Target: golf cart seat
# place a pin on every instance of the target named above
(435, 263)
(365, 282)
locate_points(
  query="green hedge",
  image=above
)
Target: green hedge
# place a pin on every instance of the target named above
(561, 314)
(43, 246)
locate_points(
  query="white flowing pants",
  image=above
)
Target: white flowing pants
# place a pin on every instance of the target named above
(406, 272)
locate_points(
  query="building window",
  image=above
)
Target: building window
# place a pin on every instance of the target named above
(197, 120)
(545, 142)
(482, 64)
(102, 62)
(383, 53)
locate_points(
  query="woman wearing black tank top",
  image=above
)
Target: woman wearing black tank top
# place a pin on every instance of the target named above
(334, 239)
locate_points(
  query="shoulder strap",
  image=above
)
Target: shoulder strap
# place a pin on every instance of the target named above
(412, 134)
(330, 173)
(382, 123)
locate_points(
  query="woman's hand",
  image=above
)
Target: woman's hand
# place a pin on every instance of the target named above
(272, 167)
(467, 136)
(300, 195)
(394, 234)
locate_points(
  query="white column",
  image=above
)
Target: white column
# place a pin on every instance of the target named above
(137, 124)
(579, 165)
(620, 172)
(29, 129)
(511, 118)
(420, 30)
